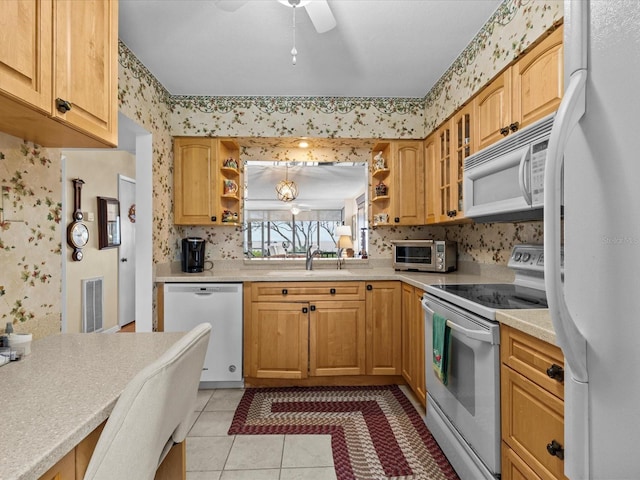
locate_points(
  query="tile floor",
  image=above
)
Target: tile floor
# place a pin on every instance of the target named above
(214, 455)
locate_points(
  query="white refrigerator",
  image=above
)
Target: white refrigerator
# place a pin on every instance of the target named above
(595, 308)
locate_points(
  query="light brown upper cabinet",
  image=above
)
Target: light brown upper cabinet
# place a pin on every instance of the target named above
(398, 183)
(431, 190)
(451, 145)
(59, 72)
(409, 182)
(538, 80)
(207, 181)
(527, 91)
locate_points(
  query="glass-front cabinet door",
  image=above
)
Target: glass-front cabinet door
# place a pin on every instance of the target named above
(463, 141)
(443, 173)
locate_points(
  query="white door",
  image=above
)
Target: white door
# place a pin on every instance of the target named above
(127, 264)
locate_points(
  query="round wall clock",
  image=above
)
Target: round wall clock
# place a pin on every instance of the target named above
(77, 233)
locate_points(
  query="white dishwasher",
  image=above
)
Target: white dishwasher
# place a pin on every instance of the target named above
(220, 304)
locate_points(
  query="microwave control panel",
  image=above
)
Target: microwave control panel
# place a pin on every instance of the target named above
(538, 159)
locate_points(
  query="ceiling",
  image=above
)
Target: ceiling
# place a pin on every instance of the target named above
(379, 48)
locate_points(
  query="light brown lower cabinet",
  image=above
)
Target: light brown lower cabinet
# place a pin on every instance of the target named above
(301, 329)
(74, 464)
(413, 355)
(384, 328)
(322, 332)
(532, 397)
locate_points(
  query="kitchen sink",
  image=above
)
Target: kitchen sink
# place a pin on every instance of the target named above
(308, 273)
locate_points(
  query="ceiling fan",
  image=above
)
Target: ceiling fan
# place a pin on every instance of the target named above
(318, 10)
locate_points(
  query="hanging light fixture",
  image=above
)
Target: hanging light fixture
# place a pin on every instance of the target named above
(286, 189)
(294, 4)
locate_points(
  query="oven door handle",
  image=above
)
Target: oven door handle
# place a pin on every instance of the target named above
(481, 335)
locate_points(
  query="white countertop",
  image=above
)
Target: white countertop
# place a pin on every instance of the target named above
(535, 322)
(171, 273)
(53, 398)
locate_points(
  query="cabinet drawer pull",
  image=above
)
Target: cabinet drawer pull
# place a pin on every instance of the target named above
(313, 308)
(305, 310)
(332, 291)
(556, 372)
(62, 105)
(555, 449)
(285, 291)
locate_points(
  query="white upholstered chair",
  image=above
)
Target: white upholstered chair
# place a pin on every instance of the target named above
(152, 413)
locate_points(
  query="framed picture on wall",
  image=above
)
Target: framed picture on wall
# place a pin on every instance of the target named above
(108, 222)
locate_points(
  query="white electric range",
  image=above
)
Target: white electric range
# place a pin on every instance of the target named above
(464, 414)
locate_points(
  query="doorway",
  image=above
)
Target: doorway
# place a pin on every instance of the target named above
(127, 253)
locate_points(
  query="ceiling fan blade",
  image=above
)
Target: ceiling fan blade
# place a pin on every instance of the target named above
(229, 5)
(321, 15)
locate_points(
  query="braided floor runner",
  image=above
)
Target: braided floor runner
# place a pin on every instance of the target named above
(376, 433)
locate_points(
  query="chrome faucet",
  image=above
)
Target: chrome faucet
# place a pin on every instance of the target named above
(310, 254)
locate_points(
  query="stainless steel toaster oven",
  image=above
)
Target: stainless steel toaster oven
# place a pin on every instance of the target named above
(424, 255)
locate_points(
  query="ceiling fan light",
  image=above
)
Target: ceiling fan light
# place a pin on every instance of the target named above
(294, 3)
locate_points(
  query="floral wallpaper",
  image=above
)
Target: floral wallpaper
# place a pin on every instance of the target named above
(143, 99)
(30, 235)
(514, 26)
(510, 30)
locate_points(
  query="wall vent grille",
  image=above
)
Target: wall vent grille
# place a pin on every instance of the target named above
(92, 305)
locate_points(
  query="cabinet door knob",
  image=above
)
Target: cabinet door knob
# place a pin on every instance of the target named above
(214, 218)
(285, 291)
(305, 310)
(62, 105)
(396, 219)
(555, 449)
(332, 291)
(556, 372)
(369, 287)
(514, 126)
(504, 131)
(313, 308)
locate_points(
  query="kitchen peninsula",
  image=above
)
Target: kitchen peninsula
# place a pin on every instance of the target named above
(58, 395)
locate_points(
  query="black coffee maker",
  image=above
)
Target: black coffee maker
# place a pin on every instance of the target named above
(193, 254)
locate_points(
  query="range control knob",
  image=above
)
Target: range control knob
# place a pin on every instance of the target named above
(517, 256)
(526, 257)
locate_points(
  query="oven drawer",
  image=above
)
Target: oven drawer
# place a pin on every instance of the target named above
(539, 361)
(532, 419)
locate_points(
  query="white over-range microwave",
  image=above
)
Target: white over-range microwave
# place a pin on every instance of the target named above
(505, 181)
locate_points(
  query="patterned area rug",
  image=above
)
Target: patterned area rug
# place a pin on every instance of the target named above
(376, 433)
